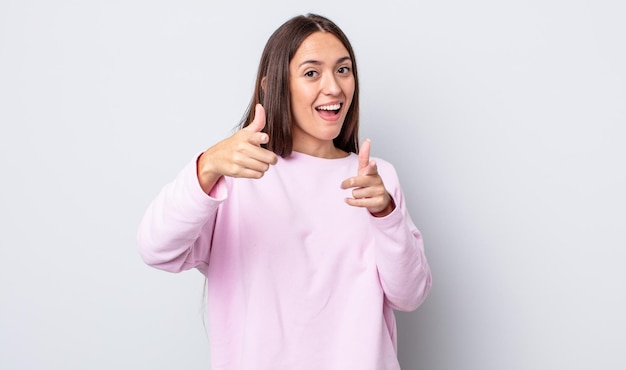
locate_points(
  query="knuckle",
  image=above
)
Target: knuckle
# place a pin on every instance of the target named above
(233, 169)
(240, 145)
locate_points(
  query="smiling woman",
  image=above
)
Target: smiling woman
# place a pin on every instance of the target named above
(322, 87)
(305, 241)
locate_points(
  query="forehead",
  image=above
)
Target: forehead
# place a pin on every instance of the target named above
(321, 46)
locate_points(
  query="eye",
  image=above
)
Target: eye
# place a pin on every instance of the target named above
(344, 70)
(310, 74)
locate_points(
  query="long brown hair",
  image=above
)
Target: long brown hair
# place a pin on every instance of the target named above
(274, 94)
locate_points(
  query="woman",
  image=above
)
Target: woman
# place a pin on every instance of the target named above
(307, 247)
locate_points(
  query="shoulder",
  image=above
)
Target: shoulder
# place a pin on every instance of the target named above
(388, 173)
(391, 180)
(385, 168)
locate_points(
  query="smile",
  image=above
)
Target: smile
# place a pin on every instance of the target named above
(332, 108)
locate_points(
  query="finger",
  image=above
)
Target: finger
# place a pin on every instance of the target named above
(257, 138)
(370, 170)
(357, 202)
(369, 192)
(372, 204)
(255, 165)
(249, 173)
(248, 150)
(256, 126)
(362, 181)
(368, 176)
(247, 167)
(364, 155)
(263, 155)
(258, 123)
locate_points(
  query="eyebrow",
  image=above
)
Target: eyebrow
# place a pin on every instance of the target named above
(317, 62)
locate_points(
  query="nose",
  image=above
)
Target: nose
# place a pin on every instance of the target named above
(331, 85)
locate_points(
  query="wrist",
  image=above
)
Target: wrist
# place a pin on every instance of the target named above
(206, 177)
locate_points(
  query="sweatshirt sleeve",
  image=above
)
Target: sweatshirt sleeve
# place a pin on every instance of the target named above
(402, 266)
(176, 230)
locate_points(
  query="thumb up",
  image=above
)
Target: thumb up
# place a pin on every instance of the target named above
(240, 155)
(257, 125)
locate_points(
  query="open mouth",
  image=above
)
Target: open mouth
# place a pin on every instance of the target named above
(330, 110)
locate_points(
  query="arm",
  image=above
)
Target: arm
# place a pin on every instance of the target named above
(176, 229)
(402, 265)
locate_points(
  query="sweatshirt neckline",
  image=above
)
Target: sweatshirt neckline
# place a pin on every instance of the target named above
(312, 158)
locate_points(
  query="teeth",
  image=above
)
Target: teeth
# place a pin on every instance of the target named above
(330, 107)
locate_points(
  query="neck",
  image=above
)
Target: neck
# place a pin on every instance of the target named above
(325, 149)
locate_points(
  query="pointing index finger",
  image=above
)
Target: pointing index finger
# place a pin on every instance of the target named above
(364, 155)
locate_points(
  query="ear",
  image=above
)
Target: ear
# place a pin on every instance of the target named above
(263, 81)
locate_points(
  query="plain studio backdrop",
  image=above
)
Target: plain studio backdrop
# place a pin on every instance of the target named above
(505, 120)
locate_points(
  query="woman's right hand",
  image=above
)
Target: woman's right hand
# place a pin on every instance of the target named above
(240, 155)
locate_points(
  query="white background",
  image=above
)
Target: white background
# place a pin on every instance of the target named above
(505, 120)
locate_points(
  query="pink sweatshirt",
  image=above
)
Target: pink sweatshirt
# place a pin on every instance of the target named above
(297, 278)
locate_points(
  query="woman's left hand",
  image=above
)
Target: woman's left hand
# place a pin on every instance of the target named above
(368, 190)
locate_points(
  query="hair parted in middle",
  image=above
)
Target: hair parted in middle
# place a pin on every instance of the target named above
(272, 84)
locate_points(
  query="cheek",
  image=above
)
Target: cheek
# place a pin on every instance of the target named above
(302, 98)
(351, 88)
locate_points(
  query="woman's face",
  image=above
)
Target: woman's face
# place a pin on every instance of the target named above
(321, 84)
